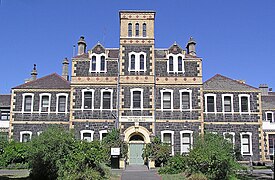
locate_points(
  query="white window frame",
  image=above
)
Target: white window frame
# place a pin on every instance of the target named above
(172, 99)
(215, 103)
(98, 62)
(272, 117)
(181, 140)
(137, 62)
(66, 103)
(175, 63)
(101, 132)
(87, 131)
(93, 97)
(250, 144)
(23, 102)
(172, 138)
(248, 99)
(39, 132)
(231, 133)
(223, 107)
(40, 102)
(132, 98)
(101, 102)
(25, 132)
(190, 99)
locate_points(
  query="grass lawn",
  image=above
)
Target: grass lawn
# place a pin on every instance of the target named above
(172, 176)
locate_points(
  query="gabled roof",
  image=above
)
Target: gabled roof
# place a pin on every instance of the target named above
(98, 49)
(219, 82)
(175, 49)
(5, 100)
(52, 81)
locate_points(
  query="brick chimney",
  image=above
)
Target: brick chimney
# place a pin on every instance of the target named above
(191, 46)
(81, 46)
(65, 69)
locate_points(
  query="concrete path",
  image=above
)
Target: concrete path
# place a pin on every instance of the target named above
(139, 172)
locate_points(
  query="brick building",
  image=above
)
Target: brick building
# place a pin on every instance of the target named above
(143, 91)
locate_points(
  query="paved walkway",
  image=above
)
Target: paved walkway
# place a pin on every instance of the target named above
(139, 172)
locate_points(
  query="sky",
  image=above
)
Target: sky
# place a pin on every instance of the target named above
(234, 38)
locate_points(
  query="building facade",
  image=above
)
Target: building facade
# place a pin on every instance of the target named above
(145, 92)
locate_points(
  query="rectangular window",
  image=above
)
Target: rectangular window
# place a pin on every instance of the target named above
(167, 138)
(87, 137)
(106, 100)
(269, 117)
(227, 104)
(45, 104)
(179, 63)
(271, 140)
(185, 97)
(26, 137)
(28, 103)
(88, 100)
(137, 99)
(5, 114)
(166, 100)
(186, 142)
(102, 63)
(62, 104)
(244, 104)
(246, 144)
(171, 65)
(210, 104)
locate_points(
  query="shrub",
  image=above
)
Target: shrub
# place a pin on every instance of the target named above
(175, 165)
(157, 151)
(197, 176)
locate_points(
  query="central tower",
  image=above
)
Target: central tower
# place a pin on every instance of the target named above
(137, 75)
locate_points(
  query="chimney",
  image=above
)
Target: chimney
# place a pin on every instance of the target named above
(264, 89)
(191, 46)
(65, 69)
(81, 46)
(33, 73)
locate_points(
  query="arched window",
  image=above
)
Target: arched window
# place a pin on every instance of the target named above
(141, 62)
(102, 63)
(179, 63)
(132, 62)
(130, 30)
(93, 63)
(137, 29)
(171, 67)
(144, 30)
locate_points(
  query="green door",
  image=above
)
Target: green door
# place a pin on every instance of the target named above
(136, 154)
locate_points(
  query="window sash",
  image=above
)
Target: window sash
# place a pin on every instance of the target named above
(5, 115)
(166, 100)
(93, 63)
(186, 142)
(227, 104)
(129, 30)
(106, 100)
(137, 29)
(244, 104)
(88, 100)
(62, 104)
(144, 30)
(137, 99)
(141, 62)
(171, 65)
(102, 63)
(167, 138)
(185, 100)
(246, 144)
(269, 117)
(179, 63)
(45, 103)
(133, 62)
(26, 137)
(87, 137)
(28, 103)
(210, 104)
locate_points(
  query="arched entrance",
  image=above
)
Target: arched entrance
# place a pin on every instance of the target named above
(137, 137)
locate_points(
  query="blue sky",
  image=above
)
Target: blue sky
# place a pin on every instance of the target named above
(235, 38)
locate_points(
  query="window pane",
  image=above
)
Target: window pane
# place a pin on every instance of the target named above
(88, 100)
(106, 100)
(129, 30)
(102, 63)
(269, 117)
(137, 99)
(244, 104)
(171, 66)
(246, 143)
(26, 137)
(141, 63)
(144, 30)
(137, 29)
(179, 63)
(62, 104)
(186, 142)
(210, 104)
(185, 100)
(87, 137)
(45, 104)
(93, 63)
(227, 104)
(28, 103)
(167, 138)
(166, 100)
(5, 115)
(132, 62)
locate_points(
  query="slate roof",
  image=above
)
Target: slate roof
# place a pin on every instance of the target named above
(219, 82)
(113, 53)
(160, 53)
(268, 102)
(85, 55)
(52, 81)
(5, 100)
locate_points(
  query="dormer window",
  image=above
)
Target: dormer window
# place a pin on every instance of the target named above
(137, 61)
(98, 63)
(175, 63)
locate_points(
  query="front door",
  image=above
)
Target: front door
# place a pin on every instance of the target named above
(136, 150)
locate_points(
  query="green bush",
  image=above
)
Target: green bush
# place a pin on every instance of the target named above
(175, 165)
(157, 151)
(13, 153)
(213, 156)
(197, 176)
